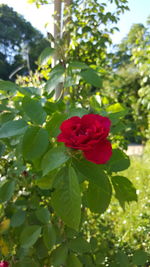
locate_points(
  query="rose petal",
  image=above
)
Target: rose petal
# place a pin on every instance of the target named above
(4, 264)
(100, 153)
(68, 124)
(98, 123)
(90, 118)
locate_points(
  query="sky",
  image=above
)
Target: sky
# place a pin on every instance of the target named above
(139, 11)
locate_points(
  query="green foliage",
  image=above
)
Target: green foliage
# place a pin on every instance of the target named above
(99, 191)
(13, 128)
(140, 257)
(49, 236)
(18, 218)
(46, 55)
(90, 28)
(33, 109)
(6, 190)
(59, 255)
(46, 182)
(124, 190)
(99, 194)
(49, 189)
(8, 86)
(49, 162)
(66, 199)
(79, 245)
(43, 215)
(29, 235)
(129, 76)
(35, 142)
(73, 261)
(53, 125)
(56, 205)
(119, 161)
(90, 76)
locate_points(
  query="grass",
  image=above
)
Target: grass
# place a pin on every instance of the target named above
(118, 231)
(132, 226)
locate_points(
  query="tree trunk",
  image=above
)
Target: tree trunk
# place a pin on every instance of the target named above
(58, 21)
(57, 35)
(67, 5)
(57, 18)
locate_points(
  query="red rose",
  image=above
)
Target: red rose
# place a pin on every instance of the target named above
(88, 134)
(4, 264)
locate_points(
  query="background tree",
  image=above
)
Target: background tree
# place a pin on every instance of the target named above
(17, 39)
(129, 78)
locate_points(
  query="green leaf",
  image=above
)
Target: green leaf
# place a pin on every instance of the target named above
(99, 194)
(2, 149)
(79, 245)
(73, 261)
(13, 128)
(43, 215)
(70, 81)
(34, 110)
(51, 107)
(6, 116)
(117, 107)
(29, 235)
(25, 91)
(29, 91)
(53, 125)
(122, 259)
(53, 159)
(66, 199)
(124, 190)
(95, 102)
(88, 169)
(35, 143)
(118, 128)
(87, 260)
(41, 249)
(115, 117)
(5, 108)
(18, 218)
(26, 262)
(58, 69)
(54, 81)
(6, 191)
(119, 161)
(49, 236)
(78, 65)
(46, 54)
(91, 76)
(100, 257)
(46, 182)
(70, 233)
(114, 264)
(140, 257)
(59, 256)
(8, 86)
(77, 112)
(86, 29)
(116, 111)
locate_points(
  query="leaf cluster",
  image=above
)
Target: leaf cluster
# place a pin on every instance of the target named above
(46, 189)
